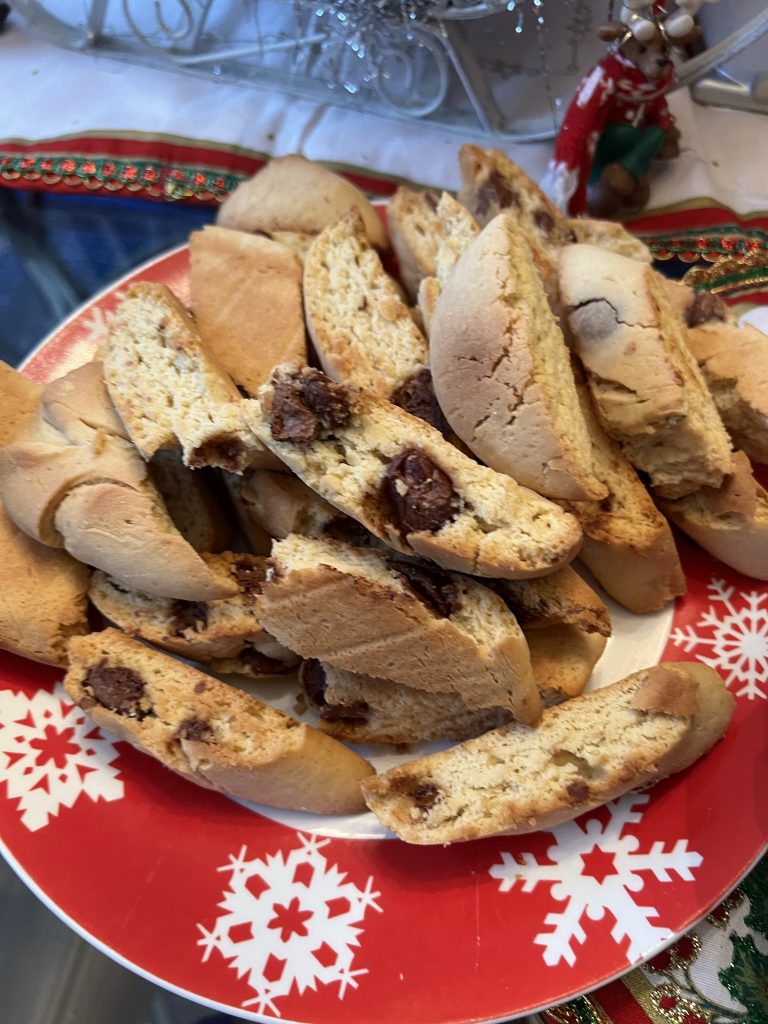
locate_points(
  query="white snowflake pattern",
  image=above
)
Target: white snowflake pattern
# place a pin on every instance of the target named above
(289, 920)
(597, 869)
(734, 629)
(95, 322)
(51, 754)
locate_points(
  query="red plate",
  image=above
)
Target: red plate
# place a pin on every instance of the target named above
(317, 920)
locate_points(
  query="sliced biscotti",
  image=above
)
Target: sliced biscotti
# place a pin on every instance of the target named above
(360, 709)
(74, 480)
(223, 633)
(209, 732)
(245, 293)
(491, 182)
(281, 504)
(628, 545)
(193, 499)
(730, 522)
(168, 389)
(584, 752)
(562, 659)
(295, 197)
(414, 229)
(406, 484)
(362, 330)
(457, 228)
(648, 390)
(696, 305)
(406, 621)
(734, 362)
(502, 371)
(609, 234)
(562, 598)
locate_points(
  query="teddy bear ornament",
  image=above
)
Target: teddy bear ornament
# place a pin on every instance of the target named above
(618, 122)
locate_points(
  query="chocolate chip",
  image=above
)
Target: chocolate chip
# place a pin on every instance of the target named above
(430, 199)
(225, 452)
(313, 681)
(419, 494)
(305, 405)
(425, 795)
(328, 401)
(495, 194)
(195, 729)
(705, 307)
(291, 419)
(117, 688)
(262, 664)
(417, 396)
(199, 687)
(348, 530)
(249, 576)
(578, 791)
(188, 615)
(354, 713)
(544, 221)
(434, 588)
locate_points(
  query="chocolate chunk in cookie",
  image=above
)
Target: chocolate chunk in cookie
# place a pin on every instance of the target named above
(304, 406)
(434, 588)
(495, 193)
(119, 689)
(188, 615)
(417, 396)
(705, 307)
(195, 729)
(420, 495)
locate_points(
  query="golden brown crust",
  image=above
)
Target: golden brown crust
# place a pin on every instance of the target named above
(213, 734)
(354, 606)
(293, 194)
(245, 293)
(502, 371)
(585, 752)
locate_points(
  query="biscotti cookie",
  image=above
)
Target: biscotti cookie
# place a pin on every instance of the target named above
(648, 391)
(562, 598)
(209, 732)
(169, 391)
(362, 330)
(222, 634)
(730, 522)
(193, 500)
(628, 545)
(414, 229)
(43, 597)
(585, 752)
(695, 305)
(457, 228)
(281, 504)
(491, 182)
(403, 482)
(609, 234)
(360, 709)
(245, 294)
(73, 480)
(21, 397)
(502, 371)
(293, 195)
(406, 621)
(562, 659)
(734, 362)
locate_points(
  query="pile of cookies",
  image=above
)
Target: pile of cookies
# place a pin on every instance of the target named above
(389, 511)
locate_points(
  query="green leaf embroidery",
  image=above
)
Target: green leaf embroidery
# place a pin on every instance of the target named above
(747, 978)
